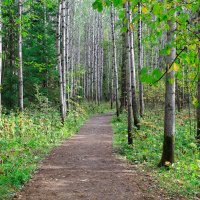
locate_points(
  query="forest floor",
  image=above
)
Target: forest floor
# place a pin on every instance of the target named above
(87, 167)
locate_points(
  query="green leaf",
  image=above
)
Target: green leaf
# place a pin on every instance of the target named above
(97, 5)
(156, 9)
(117, 2)
(124, 29)
(122, 14)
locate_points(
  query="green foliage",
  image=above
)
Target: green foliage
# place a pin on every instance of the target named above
(150, 76)
(25, 139)
(183, 176)
(98, 5)
(102, 108)
(39, 51)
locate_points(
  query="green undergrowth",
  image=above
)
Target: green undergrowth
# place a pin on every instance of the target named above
(25, 139)
(181, 178)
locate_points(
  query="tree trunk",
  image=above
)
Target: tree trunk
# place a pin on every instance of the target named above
(132, 62)
(114, 55)
(140, 60)
(112, 88)
(178, 103)
(123, 74)
(67, 55)
(64, 53)
(169, 121)
(183, 88)
(198, 93)
(62, 109)
(20, 69)
(128, 79)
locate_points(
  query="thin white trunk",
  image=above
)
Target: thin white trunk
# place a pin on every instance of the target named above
(109, 91)
(67, 54)
(128, 79)
(62, 109)
(132, 62)
(64, 53)
(20, 69)
(102, 59)
(114, 55)
(89, 63)
(93, 59)
(140, 60)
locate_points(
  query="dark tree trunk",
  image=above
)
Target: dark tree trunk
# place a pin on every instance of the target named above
(178, 103)
(198, 108)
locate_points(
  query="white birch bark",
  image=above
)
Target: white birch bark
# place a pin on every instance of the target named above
(67, 54)
(140, 60)
(129, 81)
(93, 59)
(132, 62)
(101, 59)
(62, 109)
(114, 55)
(20, 69)
(64, 52)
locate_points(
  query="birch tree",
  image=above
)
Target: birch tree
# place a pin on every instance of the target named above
(128, 79)
(114, 58)
(62, 107)
(123, 73)
(20, 69)
(67, 52)
(169, 119)
(140, 60)
(64, 53)
(132, 64)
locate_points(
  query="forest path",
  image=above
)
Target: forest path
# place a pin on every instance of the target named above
(85, 167)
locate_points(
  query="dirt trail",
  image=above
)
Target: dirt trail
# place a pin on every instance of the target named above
(85, 167)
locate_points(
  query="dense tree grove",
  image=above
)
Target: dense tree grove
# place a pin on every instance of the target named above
(44, 43)
(169, 46)
(137, 55)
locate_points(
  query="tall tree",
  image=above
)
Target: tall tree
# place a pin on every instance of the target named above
(59, 62)
(140, 59)
(67, 52)
(114, 58)
(20, 69)
(129, 79)
(169, 120)
(123, 99)
(64, 53)
(132, 62)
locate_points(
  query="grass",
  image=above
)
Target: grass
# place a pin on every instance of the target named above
(183, 177)
(25, 139)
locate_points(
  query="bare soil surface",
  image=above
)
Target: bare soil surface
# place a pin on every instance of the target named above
(85, 167)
